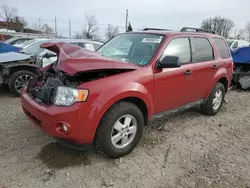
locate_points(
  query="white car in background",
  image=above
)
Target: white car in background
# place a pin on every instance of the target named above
(45, 57)
(233, 44)
(28, 43)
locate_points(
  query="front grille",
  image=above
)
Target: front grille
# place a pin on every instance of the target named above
(33, 118)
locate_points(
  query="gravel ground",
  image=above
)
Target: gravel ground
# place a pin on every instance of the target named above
(189, 150)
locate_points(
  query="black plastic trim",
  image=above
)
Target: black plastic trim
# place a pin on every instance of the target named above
(179, 109)
(199, 30)
(79, 147)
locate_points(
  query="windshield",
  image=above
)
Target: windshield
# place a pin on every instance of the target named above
(28, 42)
(136, 48)
(33, 49)
(10, 40)
(229, 42)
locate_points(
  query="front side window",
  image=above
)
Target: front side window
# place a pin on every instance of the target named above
(179, 47)
(136, 48)
(203, 49)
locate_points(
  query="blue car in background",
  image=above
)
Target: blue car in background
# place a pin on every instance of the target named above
(241, 75)
(5, 48)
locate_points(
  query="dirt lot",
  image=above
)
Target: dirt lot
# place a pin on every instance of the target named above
(190, 150)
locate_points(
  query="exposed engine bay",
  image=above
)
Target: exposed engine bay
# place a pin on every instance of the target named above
(43, 87)
(241, 76)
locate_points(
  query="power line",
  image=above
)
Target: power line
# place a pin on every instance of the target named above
(126, 24)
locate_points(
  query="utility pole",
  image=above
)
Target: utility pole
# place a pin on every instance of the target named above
(85, 24)
(40, 25)
(55, 28)
(69, 28)
(126, 24)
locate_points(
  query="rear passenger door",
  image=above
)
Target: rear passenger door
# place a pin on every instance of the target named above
(205, 66)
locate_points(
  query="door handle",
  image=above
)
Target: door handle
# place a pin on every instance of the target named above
(215, 67)
(188, 72)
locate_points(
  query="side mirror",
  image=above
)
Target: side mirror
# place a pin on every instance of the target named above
(49, 55)
(47, 59)
(169, 62)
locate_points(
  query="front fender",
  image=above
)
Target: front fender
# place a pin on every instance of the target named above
(122, 91)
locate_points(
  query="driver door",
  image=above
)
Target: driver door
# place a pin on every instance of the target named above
(174, 86)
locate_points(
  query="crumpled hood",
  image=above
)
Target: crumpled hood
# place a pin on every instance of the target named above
(73, 59)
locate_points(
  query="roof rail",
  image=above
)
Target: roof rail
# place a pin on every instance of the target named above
(185, 29)
(156, 29)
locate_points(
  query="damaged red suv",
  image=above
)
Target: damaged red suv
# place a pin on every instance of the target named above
(106, 97)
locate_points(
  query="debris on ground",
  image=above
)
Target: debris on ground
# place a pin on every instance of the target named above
(196, 151)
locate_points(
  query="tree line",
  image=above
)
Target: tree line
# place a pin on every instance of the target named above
(222, 26)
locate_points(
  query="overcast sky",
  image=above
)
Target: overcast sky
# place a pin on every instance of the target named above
(172, 14)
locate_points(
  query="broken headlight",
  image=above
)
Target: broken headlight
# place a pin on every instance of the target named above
(66, 96)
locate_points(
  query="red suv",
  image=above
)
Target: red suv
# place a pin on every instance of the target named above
(106, 97)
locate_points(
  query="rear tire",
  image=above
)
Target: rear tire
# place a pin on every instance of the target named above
(16, 79)
(215, 100)
(112, 125)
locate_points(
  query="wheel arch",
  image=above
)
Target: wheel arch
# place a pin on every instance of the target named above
(139, 103)
(224, 81)
(220, 76)
(32, 68)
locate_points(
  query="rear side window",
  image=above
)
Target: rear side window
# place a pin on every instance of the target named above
(203, 49)
(179, 47)
(81, 44)
(89, 47)
(222, 47)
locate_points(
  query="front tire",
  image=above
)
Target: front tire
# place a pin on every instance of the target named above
(120, 130)
(18, 80)
(215, 100)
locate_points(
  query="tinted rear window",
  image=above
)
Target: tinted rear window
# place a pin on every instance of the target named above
(222, 47)
(203, 49)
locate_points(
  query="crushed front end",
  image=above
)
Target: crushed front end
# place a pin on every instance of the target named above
(57, 101)
(241, 75)
(70, 124)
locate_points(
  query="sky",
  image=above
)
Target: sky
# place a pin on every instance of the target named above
(171, 14)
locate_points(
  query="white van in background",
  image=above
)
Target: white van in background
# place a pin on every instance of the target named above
(233, 44)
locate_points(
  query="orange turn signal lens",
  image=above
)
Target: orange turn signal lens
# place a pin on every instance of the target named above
(81, 95)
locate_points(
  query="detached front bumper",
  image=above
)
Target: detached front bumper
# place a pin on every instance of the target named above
(80, 117)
